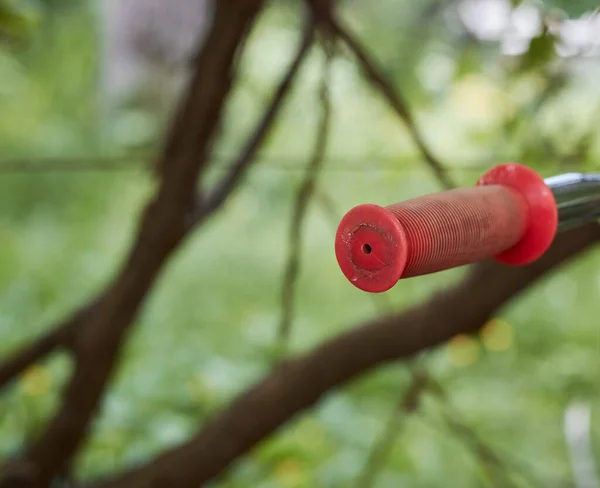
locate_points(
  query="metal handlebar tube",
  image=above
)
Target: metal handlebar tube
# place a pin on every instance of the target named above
(577, 197)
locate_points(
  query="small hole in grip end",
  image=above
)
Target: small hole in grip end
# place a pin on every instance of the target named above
(366, 249)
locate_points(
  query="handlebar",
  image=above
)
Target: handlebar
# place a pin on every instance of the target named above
(511, 215)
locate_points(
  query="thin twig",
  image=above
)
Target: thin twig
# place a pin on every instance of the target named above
(32, 352)
(408, 403)
(497, 470)
(269, 162)
(58, 336)
(328, 207)
(299, 383)
(498, 466)
(303, 198)
(242, 162)
(394, 98)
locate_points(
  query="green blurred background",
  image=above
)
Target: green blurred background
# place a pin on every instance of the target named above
(486, 87)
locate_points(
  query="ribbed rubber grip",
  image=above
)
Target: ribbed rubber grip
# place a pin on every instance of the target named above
(459, 227)
(514, 221)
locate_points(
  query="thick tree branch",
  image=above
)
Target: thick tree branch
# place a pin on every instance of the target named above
(60, 334)
(303, 198)
(164, 225)
(299, 383)
(393, 97)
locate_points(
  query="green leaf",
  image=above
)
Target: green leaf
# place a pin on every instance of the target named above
(541, 52)
(573, 8)
(18, 19)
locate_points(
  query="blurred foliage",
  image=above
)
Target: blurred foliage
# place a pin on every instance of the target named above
(205, 334)
(573, 8)
(18, 18)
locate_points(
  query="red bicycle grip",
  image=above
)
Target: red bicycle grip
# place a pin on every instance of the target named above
(510, 215)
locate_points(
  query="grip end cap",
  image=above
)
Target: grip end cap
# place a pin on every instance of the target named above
(543, 211)
(371, 248)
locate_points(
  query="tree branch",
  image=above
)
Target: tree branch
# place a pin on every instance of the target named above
(299, 383)
(303, 198)
(164, 225)
(241, 164)
(393, 97)
(495, 467)
(408, 404)
(61, 333)
(498, 464)
(57, 336)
